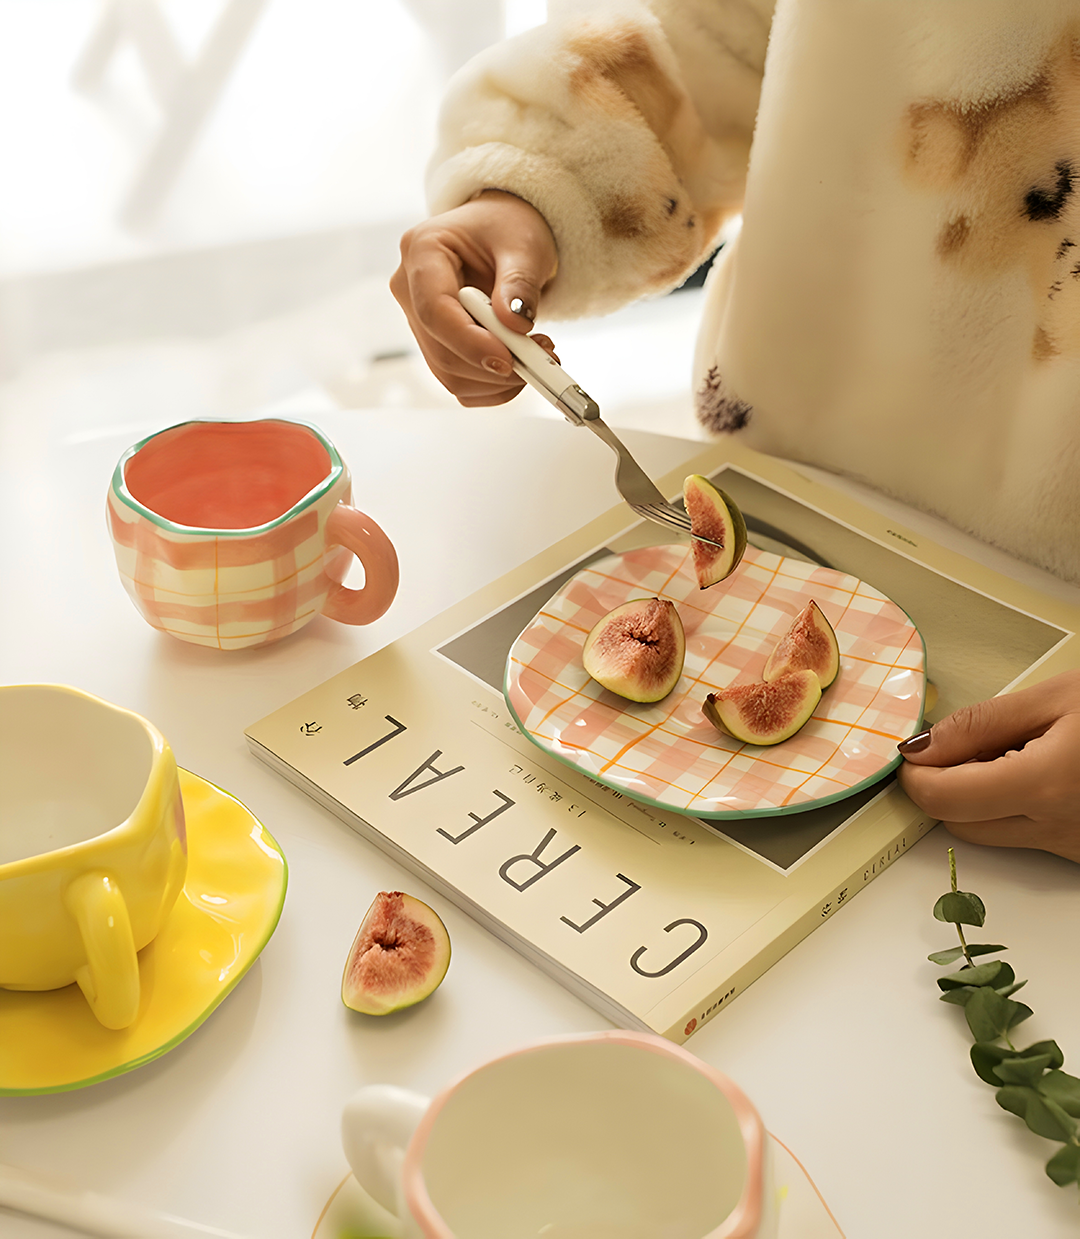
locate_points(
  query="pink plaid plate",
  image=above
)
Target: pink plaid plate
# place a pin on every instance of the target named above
(668, 754)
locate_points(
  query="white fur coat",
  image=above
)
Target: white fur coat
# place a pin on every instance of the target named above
(903, 302)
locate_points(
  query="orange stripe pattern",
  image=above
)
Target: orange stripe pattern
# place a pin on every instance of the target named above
(230, 591)
(668, 753)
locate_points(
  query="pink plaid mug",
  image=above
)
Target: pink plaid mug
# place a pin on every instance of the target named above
(234, 534)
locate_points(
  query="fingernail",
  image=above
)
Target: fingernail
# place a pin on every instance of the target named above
(517, 306)
(915, 744)
(497, 366)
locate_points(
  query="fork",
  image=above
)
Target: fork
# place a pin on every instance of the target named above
(540, 370)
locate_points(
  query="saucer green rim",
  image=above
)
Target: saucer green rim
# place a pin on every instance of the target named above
(120, 490)
(158, 1051)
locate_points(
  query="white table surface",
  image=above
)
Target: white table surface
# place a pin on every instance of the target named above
(843, 1045)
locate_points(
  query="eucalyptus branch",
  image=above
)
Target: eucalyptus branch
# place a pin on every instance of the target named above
(1030, 1083)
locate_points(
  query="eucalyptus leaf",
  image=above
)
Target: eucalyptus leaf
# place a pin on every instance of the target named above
(1007, 990)
(1043, 1047)
(985, 1056)
(987, 1014)
(1043, 1117)
(1022, 1070)
(956, 952)
(946, 957)
(960, 997)
(1064, 1166)
(960, 908)
(1061, 1116)
(1018, 1013)
(981, 974)
(1062, 1088)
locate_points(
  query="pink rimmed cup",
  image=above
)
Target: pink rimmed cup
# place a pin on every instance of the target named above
(613, 1135)
(233, 534)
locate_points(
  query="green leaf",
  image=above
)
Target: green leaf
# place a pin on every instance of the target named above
(960, 908)
(1006, 990)
(990, 1016)
(981, 974)
(1064, 1166)
(1062, 1088)
(974, 948)
(1016, 1070)
(1018, 1013)
(985, 1056)
(1046, 1047)
(961, 997)
(1045, 1118)
(946, 957)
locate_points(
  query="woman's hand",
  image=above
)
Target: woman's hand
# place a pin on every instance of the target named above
(497, 243)
(1005, 771)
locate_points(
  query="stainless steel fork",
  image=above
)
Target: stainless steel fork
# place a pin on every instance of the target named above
(540, 370)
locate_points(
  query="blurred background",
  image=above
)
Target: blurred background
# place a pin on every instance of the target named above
(201, 203)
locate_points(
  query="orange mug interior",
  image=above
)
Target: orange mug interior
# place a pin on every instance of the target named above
(227, 475)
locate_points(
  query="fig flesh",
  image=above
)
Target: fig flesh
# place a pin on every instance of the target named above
(399, 956)
(808, 645)
(637, 650)
(764, 713)
(716, 516)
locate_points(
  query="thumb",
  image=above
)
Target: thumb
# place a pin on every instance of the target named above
(515, 297)
(982, 731)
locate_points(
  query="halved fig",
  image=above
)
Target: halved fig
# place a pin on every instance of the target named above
(637, 650)
(399, 956)
(764, 713)
(808, 645)
(716, 516)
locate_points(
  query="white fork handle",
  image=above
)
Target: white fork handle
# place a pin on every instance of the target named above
(534, 364)
(91, 1214)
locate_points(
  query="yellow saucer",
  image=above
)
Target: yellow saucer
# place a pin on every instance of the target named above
(228, 909)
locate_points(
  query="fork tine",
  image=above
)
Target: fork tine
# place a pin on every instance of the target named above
(668, 516)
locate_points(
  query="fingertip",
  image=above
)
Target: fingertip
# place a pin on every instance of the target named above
(916, 744)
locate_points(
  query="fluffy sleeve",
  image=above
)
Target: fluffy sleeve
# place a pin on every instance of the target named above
(628, 127)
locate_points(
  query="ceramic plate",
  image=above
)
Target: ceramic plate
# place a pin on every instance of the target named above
(228, 909)
(350, 1213)
(667, 754)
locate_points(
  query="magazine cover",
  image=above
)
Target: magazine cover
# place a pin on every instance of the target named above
(652, 865)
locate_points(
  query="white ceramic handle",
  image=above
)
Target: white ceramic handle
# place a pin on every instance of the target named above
(376, 1126)
(537, 363)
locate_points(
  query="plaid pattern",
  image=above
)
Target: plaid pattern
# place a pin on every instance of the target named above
(668, 753)
(229, 591)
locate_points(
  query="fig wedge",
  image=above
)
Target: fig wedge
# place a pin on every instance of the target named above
(764, 713)
(399, 956)
(637, 650)
(808, 645)
(714, 515)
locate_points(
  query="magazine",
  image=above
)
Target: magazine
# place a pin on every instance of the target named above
(655, 918)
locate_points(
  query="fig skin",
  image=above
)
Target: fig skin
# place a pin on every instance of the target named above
(765, 713)
(809, 644)
(713, 514)
(399, 956)
(637, 650)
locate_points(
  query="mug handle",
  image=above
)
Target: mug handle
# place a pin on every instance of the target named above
(376, 1127)
(110, 977)
(359, 534)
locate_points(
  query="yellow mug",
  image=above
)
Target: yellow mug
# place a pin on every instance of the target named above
(92, 846)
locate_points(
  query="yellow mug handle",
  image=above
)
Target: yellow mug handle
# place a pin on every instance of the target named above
(110, 977)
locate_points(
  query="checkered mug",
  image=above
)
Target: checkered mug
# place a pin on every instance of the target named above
(234, 534)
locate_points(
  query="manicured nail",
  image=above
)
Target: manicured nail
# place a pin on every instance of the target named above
(517, 306)
(915, 744)
(497, 366)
